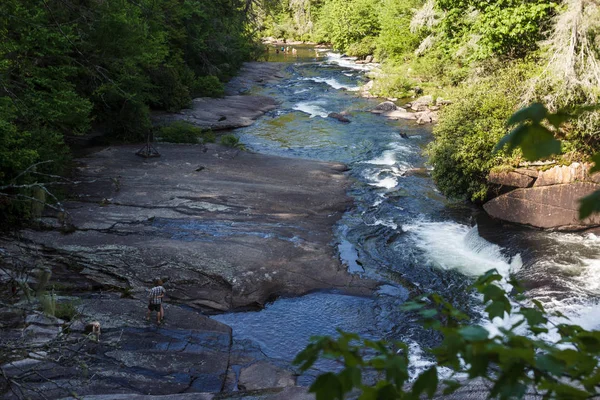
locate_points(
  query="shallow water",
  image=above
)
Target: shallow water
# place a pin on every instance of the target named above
(401, 229)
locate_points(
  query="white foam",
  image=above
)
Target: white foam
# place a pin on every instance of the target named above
(347, 62)
(418, 364)
(384, 178)
(385, 222)
(313, 108)
(332, 82)
(301, 91)
(450, 245)
(388, 157)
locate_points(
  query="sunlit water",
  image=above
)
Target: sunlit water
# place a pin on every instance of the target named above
(401, 229)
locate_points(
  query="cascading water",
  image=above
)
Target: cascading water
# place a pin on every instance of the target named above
(401, 229)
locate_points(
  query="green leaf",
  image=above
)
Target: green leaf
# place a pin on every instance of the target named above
(589, 204)
(534, 317)
(474, 333)
(426, 382)
(327, 387)
(496, 309)
(350, 378)
(538, 142)
(596, 160)
(535, 112)
(512, 139)
(548, 363)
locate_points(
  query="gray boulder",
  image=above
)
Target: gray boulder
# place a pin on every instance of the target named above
(384, 107)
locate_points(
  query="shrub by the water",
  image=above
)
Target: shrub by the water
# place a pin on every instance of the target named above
(462, 152)
(183, 132)
(208, 86)
(232, 141)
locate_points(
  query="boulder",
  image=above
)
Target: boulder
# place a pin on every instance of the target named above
(576, 172)
(400, 113)
(442, 102)
(339, 116)
(426, 117)
(548, 207)
(511, 179)
(11, 318)
(369, 59)
(422, 103)
(384, 107)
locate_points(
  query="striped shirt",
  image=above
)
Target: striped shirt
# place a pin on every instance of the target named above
(155, 292)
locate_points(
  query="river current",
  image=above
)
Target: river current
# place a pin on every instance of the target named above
(401, 230)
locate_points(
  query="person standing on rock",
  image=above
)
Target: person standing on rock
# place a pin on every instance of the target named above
(155, 301)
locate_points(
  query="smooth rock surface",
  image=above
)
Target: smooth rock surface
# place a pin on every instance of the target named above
(548, 207)
(233, 110)
(242, 230)
(264, 375)
(221, 113)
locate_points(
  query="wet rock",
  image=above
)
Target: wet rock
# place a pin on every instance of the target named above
(384, 107)
(548, 207)
(339, 116)
(264, 375)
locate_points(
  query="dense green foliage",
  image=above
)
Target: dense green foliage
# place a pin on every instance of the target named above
(462, 151)
(68, 65)
(183, 132)
(518, 359)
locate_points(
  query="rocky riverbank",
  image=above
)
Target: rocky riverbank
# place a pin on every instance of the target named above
(545, 196)
(226, 229)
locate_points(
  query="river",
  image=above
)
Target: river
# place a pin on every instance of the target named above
(401, 230)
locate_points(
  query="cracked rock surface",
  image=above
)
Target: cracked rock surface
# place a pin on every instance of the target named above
(243, 229)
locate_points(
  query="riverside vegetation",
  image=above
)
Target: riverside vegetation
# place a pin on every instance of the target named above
(69, 66)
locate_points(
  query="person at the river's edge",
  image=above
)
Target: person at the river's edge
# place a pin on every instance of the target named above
(155, 301)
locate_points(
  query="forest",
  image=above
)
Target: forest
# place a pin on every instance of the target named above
(70, 67)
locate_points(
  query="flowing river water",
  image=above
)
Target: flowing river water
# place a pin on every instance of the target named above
(401, 230)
